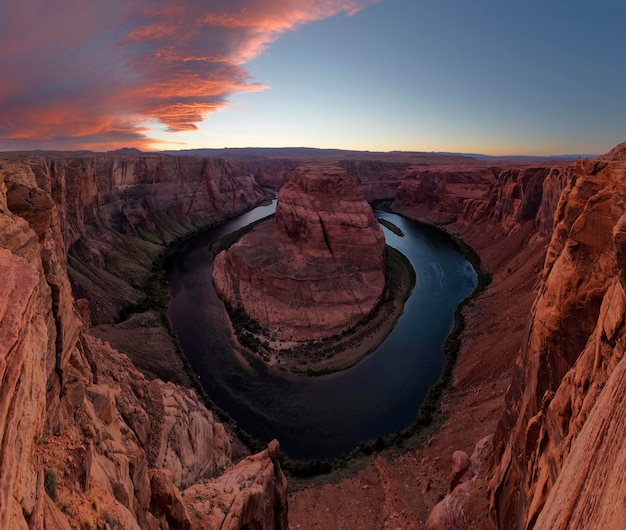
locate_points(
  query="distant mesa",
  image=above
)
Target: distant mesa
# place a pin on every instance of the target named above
(316, 269)
(126, 151)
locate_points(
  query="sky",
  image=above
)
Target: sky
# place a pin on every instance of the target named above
(539, 77)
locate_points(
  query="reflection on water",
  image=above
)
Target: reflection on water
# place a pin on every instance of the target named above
(322, 417)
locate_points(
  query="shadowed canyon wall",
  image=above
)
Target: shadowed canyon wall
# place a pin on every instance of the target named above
(116, 214)
(84, 438)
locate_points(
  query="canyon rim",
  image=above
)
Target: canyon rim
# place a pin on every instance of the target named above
(532, 432)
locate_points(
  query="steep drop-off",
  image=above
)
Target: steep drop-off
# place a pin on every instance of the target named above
(316, 269)
(85, 439)
(560, 443)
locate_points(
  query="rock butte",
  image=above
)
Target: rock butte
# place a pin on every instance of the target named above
(317, 268)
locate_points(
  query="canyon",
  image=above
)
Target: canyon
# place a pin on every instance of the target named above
(530, 435)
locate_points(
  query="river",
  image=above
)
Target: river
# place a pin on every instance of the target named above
(325, 416)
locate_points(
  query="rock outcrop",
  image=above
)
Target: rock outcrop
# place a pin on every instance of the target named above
(85, 439)
(449, 514)
(313, 271)
(441, 196)
(560, 442)
(505, 197)
(252, 494)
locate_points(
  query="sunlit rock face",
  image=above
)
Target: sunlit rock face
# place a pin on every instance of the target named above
(317, 268)
(85, 438)
(560, 443)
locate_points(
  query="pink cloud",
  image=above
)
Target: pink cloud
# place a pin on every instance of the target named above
(91, 74)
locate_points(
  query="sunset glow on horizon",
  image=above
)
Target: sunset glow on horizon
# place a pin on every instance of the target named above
(374, 75)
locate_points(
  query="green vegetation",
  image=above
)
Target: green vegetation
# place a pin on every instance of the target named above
(399, 282)
(155, 297)
(390, 226)
(50, 483)
(110, 520)
(429, 417)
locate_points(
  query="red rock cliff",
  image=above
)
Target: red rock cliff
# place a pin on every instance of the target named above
(560, 444)
(116, 213)
(377, 179)
(84, 437)
(317, 268)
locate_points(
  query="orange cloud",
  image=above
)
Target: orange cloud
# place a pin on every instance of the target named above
(91, 74)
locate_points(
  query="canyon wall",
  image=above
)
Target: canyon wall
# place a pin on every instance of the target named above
(506, 215)
(558, 447)
(116, 214)
(505, 211)
(85, 439)
(560, 443)
(377, 179)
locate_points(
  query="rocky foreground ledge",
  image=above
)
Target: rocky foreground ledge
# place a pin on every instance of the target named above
(86, 441)
(316, 269)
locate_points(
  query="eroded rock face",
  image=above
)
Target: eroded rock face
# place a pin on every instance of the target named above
(116, 213)
(507, 197)
(252, 494)
(560, 444)
(377, 179)
(449, 514)
(80, 428)
(317, 268)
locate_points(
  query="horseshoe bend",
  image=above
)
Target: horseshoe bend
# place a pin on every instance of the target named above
(314, 271)
(101, 421)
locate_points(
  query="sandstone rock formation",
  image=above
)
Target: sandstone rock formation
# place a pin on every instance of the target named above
(559, 444)
(117, 212)
(506, 197)
(449, 514)
(84, 437)
(377, 179)
(316, 269)
(442, 195)
(252, 494)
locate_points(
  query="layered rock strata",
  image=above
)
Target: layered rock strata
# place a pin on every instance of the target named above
(377, 179)
(314, 270)
(85, 439)
(117, 213)
(560, 442)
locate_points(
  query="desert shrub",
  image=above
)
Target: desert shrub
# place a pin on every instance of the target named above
(50, 483)
(110, 520)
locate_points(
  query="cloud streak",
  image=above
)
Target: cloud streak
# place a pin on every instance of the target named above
(93, 75)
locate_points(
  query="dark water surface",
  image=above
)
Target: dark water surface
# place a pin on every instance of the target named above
(327, 416)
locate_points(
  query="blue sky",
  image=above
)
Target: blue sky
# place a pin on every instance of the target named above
(438, 75)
